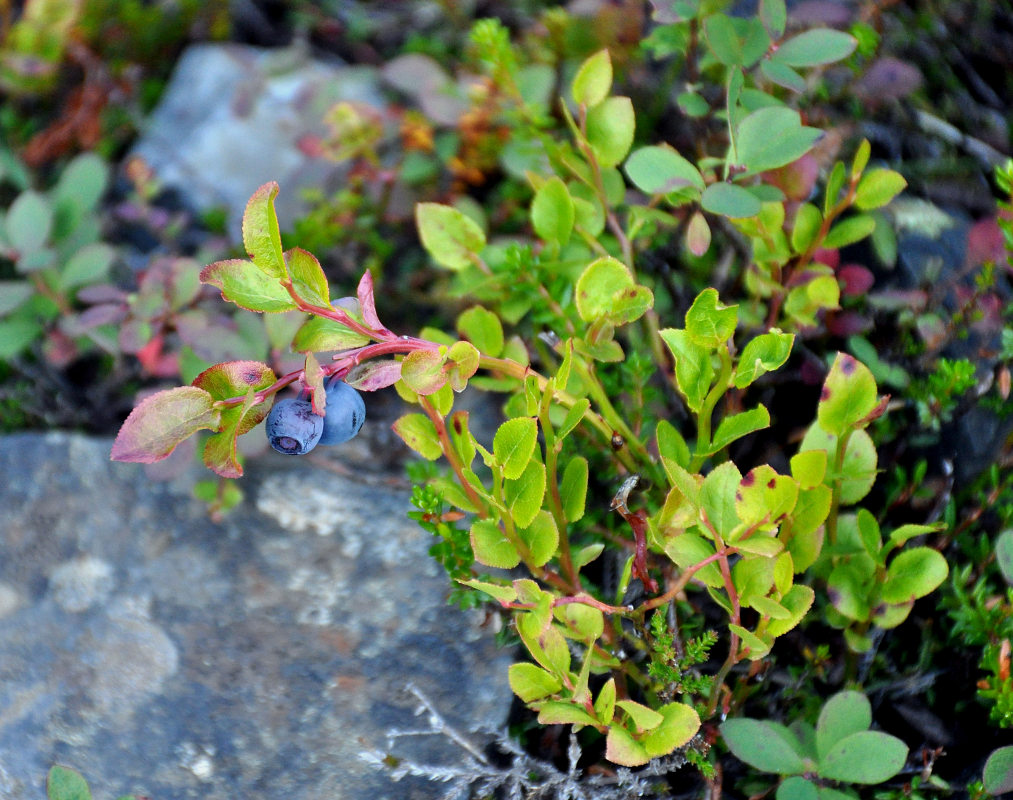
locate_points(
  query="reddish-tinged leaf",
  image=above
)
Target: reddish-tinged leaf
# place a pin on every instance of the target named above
(248, 287)
(985, 243)
(367, 302)
(261, 235)
(313, 377)
(855, 279)
(220, 449)
(234, 379)
(830, 257)
(373, 375)
(101, 314)
(308, 279)
(423, 371)
(698, 235)
(162, 421)
(888, 79)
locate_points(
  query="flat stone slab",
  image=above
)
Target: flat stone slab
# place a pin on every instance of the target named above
(162, 654)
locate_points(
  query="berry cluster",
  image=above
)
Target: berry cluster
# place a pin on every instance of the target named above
(293, 428)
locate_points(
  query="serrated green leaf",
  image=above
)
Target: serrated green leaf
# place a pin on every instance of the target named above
(530, 682)
(450, 237)
(643, 718)
(848, 396)
(606, 290)
(573, 417)
(308, 279)
(560, 713)
(514, 444)
(671, 444)
(764, 494)
(491, 547)
(693, 369)
(418, 432)
(709, 323)
(541, 537)
(764, 353)
(621, 748)
(524, 495)
(242, 283)
(738, 425)
(573, 488)
(717, 497)
(483, 329)
(423, 372)
(261, 235)
(610, 128)
(605, 705)
(505, 594)
(321, 334)
(798, 600)
(859, 469)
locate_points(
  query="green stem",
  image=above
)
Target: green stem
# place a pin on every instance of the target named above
(704, 417)
(838, 480)
(552, 448)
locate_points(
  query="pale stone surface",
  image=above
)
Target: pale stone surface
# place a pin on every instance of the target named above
(163, 654)
(233, 118)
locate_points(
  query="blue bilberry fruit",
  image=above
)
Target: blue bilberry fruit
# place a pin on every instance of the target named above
(293, 428)
(345, 413)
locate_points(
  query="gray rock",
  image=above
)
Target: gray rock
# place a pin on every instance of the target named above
(160, 653)
(232, 118)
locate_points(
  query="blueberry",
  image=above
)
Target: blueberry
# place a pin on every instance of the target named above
(345, 413)
(293, 428)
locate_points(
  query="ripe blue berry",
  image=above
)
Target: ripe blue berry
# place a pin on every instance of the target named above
(293, 428)
(345, 413)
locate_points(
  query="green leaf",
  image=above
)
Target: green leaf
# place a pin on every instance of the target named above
(308, 279)
(514, 444)
(808, 220)
(552, 213)
(483, 329)
(541, 537)
(163, 420)
(766, 746)
(797, 788)
(877, 188)
(717, 497)
(687, 549)
(82, 182)
(491, 547)
(998, 775)
(643, 718)
(17, 332)
(462, 362)
(730, 200)
(530, 682)
(849, 231)
(798, 600)
(755, 648)
(763, 493)
(605, 289)
(610, 128)
(1004, 554)
(621, 748)
(865, 757)
(671, 444)
(764, 353)
(321, 334)
(503, 594)
(524, 495)
(774, 16)
(605, 705)
(90, 264)
(693, 369)
(451, 238)
(735, 42)
(573, 488)
(418, 432)
(914, 573)
(659, 169)
(709, 323)
(573, 417)
(780, 73)
(561, 713)
(859, 469)
(772, 137)
(819, 294)
(679, 724)
(242, 283)
(738, 425)
(66, 784)
(28, 223)
(809, 467)
(816, 47)
(593, 80)
(848, 396)
(261, 235)
(13, 294)
(843, 714)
